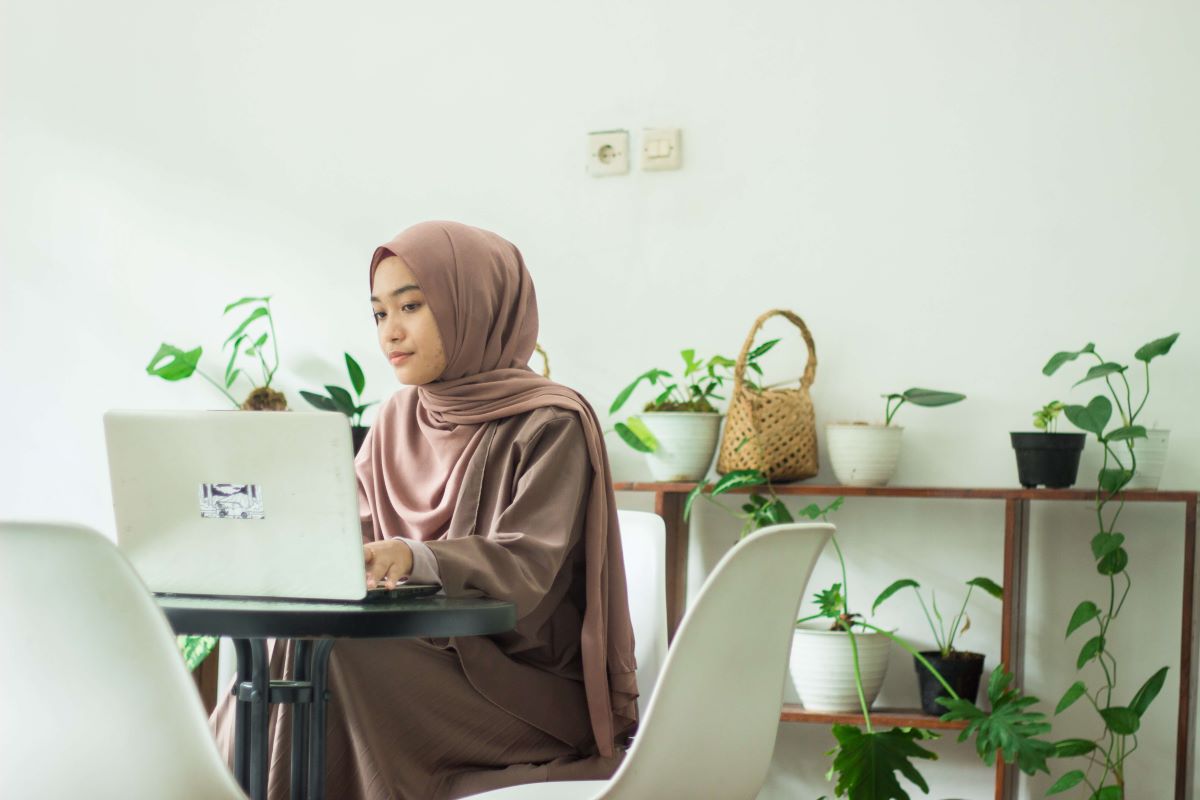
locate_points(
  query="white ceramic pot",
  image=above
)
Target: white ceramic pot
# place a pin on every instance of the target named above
(1151, 455)
(687, 442)
(821, 668)
(863, 455)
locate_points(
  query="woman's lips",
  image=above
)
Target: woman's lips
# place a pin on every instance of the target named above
(399, 358)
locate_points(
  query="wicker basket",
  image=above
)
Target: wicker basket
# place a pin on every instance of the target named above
(772, 430)
(537, 348)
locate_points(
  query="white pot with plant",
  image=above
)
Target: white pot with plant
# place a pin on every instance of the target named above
(866, 455)
(679, 428)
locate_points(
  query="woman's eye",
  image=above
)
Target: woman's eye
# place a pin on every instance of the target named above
(376, 315)
(410, 307)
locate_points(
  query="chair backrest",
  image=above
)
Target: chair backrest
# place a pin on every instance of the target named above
(97, 700)
(711, 725)
(644, 545)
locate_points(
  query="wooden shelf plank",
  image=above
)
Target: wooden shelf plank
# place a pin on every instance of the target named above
(948, 492)
(880, 718)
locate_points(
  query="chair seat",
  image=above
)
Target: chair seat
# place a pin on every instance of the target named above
(557, 790)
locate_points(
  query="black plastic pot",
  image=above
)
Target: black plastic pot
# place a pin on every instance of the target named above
(357, 434)
(1047, 459)
(961, 670)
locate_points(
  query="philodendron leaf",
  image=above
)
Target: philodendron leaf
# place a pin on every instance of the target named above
(1068, 781)
(1069, 748)
(891, 590)
(762, 349)
(357, 380)
(181, 365)
(830, 601)
(777, 513)
(1008, 730)
(631, 438)
(866, 763)
(1114, 563)
(1159, 347)
(256, 314)
(989, 586)
(1126, 433)
(1058, 359)
(652, 376)
(1123, 721)
(932, 397)
(1112, 480)
(1145, 695)
(691, 498)
(1092, 417)
(739, 477)
(195, 649)
(1084, 613)
(319, 400)
(242, 302)
(1090, 650)
(1109, 793)
(232, 358)
(1101, 371)
(1104, 543)
(231, 377)
(342, 398)
(1078, 689)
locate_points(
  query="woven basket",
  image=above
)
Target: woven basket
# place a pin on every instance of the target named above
(778, 425)
(537, 348)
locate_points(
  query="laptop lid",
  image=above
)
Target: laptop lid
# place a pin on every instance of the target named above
(240, 503)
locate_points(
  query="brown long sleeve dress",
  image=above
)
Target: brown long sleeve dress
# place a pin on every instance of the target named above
(445, 718)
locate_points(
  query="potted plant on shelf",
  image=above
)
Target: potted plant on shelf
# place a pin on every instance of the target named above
(174, 364)
(340, 399)
(1105, 772)
(866, 455)
(1049, 458)
(962, 669)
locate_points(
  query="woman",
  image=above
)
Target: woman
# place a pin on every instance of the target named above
(487, 479)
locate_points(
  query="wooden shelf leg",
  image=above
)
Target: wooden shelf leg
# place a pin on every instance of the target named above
(1012, 622)
(1188, 657)
(669, 506)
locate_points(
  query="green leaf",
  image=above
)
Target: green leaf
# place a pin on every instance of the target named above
(1092, 417)
(989, 586)
(1101, 371)
(690, 362)
(1008, 730)
(1068, 781)
(195, 649)
(1078, 689)
(631, 438)
(1145, 695)
(1084, 613)
(777, 514)
(1159, 347)
(1058, 359)
(810, 511)
(866, 763)
(1114, 563)
(691, 498)
(1112, 480)
(932, 397)
(181, 365)
(1123, 721)
(739, 477)
(1108, 793)
(830, 601)
(357, 380)
(664, 396)
(256, 314)
(1070, 748)
(1090, 650)
(755, 367)
(1126, 433)
(721, 361)
(891, 590)
(1104, 543)
(652, 376)
(345, 402)
(232, 358)
(319, 400)
(242, 302)
(762, 349)
(231, 377)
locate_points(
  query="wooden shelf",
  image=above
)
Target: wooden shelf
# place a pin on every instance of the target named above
(964, 493)
(880, 718)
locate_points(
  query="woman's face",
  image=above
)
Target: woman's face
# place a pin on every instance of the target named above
(408, 334)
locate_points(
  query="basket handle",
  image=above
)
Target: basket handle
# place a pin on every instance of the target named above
(537, 348)
(810, 369)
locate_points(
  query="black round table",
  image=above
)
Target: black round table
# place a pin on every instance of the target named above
(316, 626)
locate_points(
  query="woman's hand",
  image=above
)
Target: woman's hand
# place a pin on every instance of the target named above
(387, 562)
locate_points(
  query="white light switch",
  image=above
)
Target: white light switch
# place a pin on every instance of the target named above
(660, 149)
(608, 153)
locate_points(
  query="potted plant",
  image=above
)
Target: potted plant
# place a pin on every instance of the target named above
(340, 399)
(181, 364)
(962, 669)
(866, 455)
(678, 429)
(1049, 458)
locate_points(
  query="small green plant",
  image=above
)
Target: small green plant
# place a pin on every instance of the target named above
(340, 399)
(758, 511)
(180, 364)
(195, 649)
(959, 625)
(1046, 418)
(929, 398)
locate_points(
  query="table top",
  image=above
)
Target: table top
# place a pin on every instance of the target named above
(266, 618)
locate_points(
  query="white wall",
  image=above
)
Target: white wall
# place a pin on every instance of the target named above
(946, 192)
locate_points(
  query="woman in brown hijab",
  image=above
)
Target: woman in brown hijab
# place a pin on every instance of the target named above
(486, 478)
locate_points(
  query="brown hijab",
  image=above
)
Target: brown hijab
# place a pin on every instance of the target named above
(483, 302)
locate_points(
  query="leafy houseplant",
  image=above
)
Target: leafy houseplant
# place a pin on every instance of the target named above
(182, 364)
(866, 455)
(961, 668)
(340, 399)
(1107, 752)
(1049, 458)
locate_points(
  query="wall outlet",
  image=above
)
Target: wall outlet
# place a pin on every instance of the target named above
(608, 153)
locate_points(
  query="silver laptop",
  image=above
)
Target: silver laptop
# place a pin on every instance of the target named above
(240, 503)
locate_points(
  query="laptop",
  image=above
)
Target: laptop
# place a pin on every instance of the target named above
(254, 504)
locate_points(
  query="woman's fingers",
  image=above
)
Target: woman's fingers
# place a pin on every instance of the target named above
(393, 575)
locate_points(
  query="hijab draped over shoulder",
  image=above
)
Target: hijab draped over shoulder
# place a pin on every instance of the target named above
(483, 302)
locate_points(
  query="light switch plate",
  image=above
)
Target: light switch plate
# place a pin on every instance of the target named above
(608, 153)
(660, 149)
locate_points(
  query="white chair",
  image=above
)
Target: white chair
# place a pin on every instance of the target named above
(711, 725)
(98, 702)
(644, 544)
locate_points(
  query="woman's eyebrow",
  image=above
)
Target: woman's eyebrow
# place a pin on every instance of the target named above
(398, 292)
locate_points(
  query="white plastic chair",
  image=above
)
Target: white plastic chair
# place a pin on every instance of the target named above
(98, 702)
(644, 544)
(711, 725)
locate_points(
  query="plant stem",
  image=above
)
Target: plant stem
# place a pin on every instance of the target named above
(929, 619)
(913, 652)
(220, 388)
(274, 342)
(845, 583)
(862, 698)
(954, 627)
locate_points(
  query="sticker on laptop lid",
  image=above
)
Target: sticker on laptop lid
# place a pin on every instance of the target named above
(231, 500)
